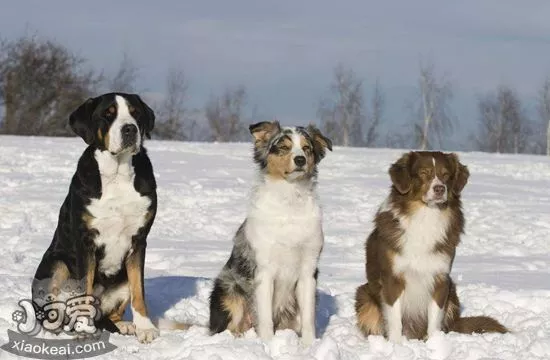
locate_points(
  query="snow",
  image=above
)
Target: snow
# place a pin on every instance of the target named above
(502, 267)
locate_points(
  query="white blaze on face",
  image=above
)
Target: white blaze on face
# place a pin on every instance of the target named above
(296, 145)
(430, 197)
(296, 151)
(115, 131)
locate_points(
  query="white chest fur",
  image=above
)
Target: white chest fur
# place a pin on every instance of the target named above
(119, 213)
(284, 227)
(417, 261)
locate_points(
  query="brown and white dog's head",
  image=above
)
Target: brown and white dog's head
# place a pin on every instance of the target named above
(431, 177)
(116, 122)
(288, 153)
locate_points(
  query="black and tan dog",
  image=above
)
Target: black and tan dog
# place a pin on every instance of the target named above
(104, 221)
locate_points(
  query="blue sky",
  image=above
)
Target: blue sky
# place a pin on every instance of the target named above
(284, 51)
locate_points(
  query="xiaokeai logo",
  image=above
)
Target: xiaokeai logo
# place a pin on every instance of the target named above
(58, 325)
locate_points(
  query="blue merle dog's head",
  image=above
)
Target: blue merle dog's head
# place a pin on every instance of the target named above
(288, 153)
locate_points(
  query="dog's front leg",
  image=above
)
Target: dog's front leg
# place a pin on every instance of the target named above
(439, 298)
(90, 272)
(391, 306)
(145, 330)
(305, 292)
(264, 304)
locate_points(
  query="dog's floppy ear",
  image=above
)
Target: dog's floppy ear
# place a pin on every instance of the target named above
(400, 173)
(320, 142)
(460, 174)
(264, 130)
(81, 122)
(147, 115)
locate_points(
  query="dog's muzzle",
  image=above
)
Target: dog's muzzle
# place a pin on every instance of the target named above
(129, 135)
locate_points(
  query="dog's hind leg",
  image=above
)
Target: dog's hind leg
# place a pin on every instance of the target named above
(369, 315)
(113, 305)
(124, 327)
(228, 310)
(240, 319)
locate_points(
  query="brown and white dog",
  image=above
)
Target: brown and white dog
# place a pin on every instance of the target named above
(410, 252)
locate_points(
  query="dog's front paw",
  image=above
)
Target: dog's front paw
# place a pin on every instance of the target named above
(265, 334)
(146, 331)
(308, 338)
(146, 335)
(126, 327)
(397, 338)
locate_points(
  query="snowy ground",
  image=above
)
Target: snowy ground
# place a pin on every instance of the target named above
(502, 267)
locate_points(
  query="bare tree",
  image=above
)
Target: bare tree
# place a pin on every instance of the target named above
(225, 115)
(490, 135)
(41, 82)
(377, 112)
(343, 114)
(125, 78)
(396, 140)
(434, 118)
(544, 111)
(503, 126)
(175, 120)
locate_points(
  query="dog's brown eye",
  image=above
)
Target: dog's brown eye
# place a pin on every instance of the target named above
(110, 112)
(306, 148)
(284, 148)
(134, 112)
(445, 176)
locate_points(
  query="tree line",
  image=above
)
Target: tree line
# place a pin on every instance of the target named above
(41, 82)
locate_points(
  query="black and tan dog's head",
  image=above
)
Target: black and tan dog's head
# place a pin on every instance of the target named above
(289, 153)
(116, 122)
(431, 177)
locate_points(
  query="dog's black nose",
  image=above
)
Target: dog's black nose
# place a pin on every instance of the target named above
(300, 160)
(439, 190)
(128, 133)
(129, 130)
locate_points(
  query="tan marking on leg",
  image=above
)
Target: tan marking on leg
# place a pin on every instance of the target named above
(118, 313)
(60, 274)
(134, 268)
(90, 274)
(125, 327)
(240, 320)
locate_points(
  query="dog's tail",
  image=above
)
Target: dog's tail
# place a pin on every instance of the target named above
(478, 324)
(165, 324)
